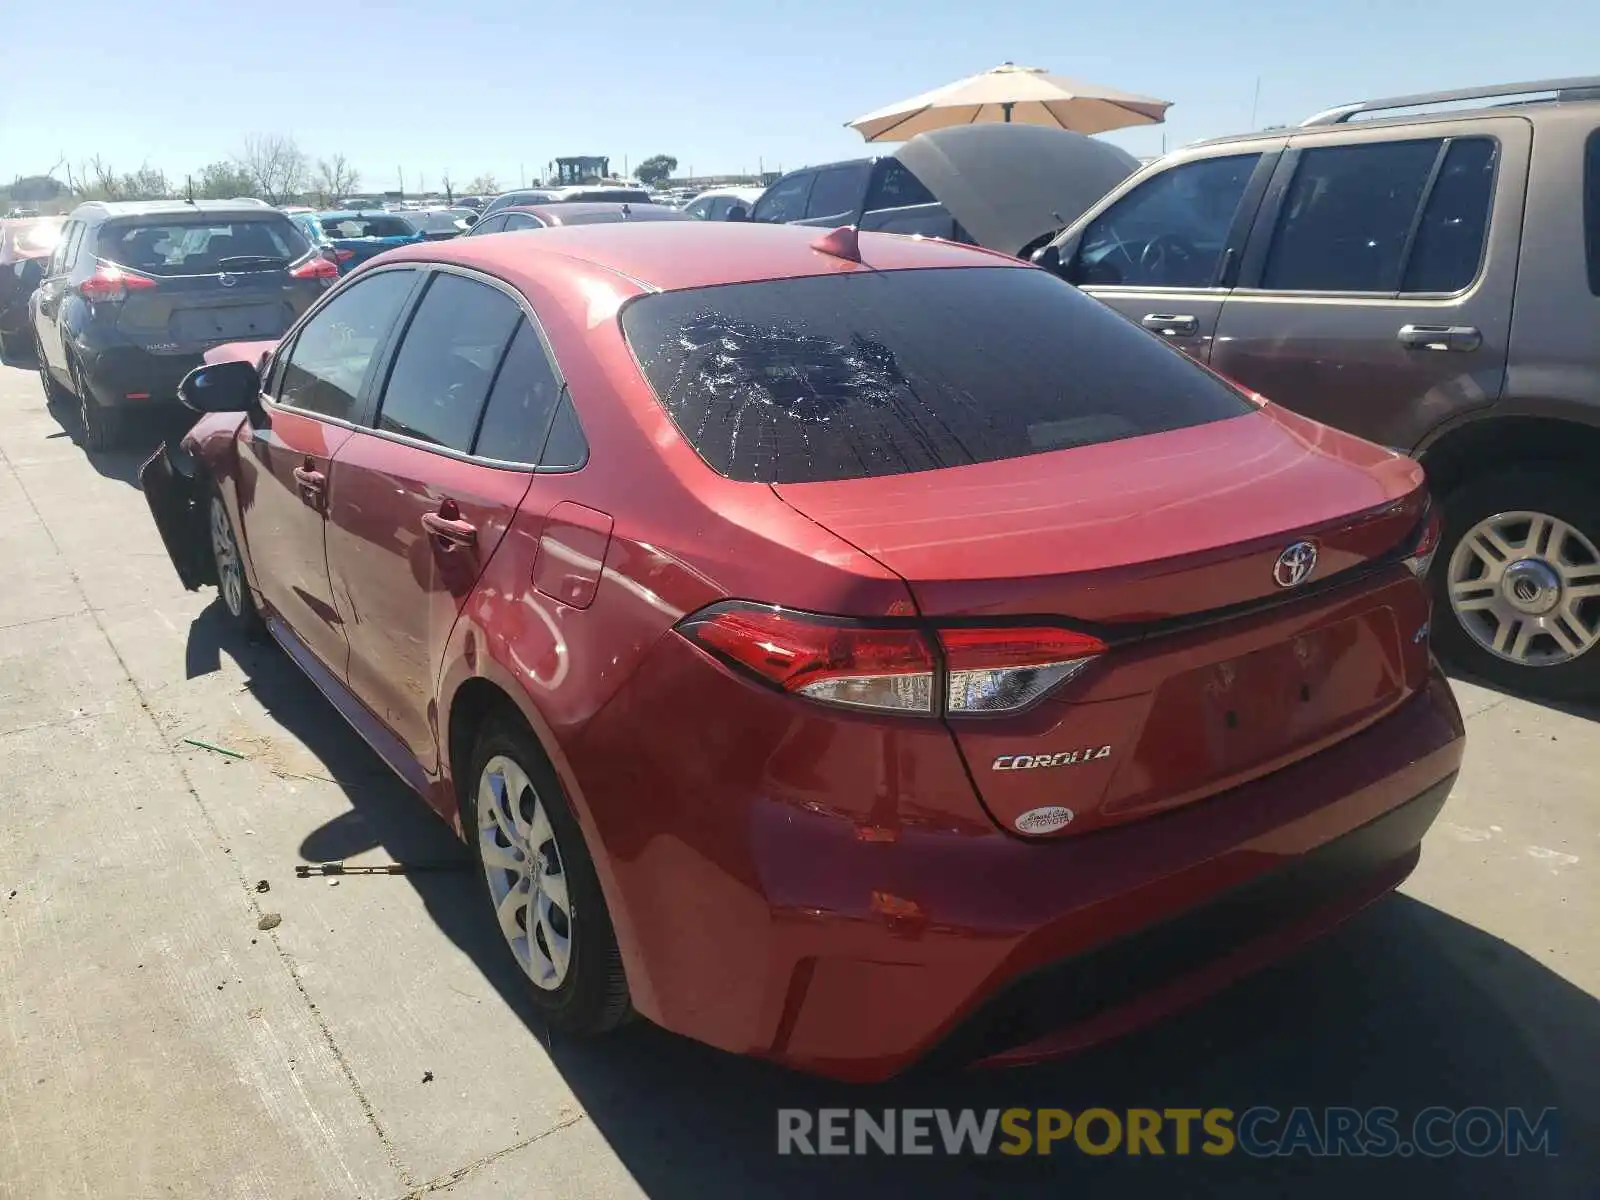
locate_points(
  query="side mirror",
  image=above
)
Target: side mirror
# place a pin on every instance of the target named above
(469, 220)
(222, 387)
(1048, 257)
(737, 213)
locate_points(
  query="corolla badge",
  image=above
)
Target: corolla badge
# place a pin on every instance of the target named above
(1044, 820)
(1295, 564)
(1065, 758)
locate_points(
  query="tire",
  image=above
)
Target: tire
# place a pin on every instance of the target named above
(102, 426)
(233, 590)
(1526, 581)
(55, 396)
(512, 783)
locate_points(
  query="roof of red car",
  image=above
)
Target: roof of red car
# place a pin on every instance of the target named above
(671, 255)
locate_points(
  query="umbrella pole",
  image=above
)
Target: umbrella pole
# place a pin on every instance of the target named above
(1006, 109)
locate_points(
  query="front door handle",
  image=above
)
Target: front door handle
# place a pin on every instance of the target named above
(1440, 337)
(312, 483)
(1171, 324)
(448, 528)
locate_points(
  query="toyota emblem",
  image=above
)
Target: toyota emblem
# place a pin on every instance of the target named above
(1295, 564)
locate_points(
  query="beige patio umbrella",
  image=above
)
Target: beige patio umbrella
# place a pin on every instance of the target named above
(1022, 95)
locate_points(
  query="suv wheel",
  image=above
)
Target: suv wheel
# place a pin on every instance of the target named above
(55, 396)
(102, 426)
(1517, 582)
(542, 884)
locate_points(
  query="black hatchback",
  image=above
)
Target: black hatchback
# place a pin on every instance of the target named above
(137, 292)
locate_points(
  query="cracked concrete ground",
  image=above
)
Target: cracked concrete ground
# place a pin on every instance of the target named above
(155, 1042)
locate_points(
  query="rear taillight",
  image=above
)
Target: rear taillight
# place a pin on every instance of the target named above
(315, 268)
(344, 255)
(1002, 670)
(1419, 558)
(111, 282)
(899, 668)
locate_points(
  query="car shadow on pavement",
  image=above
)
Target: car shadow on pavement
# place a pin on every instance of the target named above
(1586, 710)
(1404, 1007)
(140, 437)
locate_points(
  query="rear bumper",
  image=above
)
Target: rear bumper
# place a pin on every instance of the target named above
(175, 491)
(128, 375)
(856, 933)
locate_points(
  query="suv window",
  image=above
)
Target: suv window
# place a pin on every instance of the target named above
(490, 225)
(1591, 208)
(447, 361)
(520, 221)
(784, 200)
(200, 247)
(66, 249)
(1346, 217)
(1171, 230)
(335, 347)
(520, 406)
(1448, 245)
(365, 226)
(883, 373)
(896, 187)
(838, 190)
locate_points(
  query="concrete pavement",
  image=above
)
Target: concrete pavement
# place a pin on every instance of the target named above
(376, 1043)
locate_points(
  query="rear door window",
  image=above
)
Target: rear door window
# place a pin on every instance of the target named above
(894, 186)
(373, 226)
(785, 200)
(1447, 247)
(1347, 216)
(520, 221)
(447, 361)
(838, 190)
(883, 373)
(336, 347)
(490, 224)
(1170, 231)
(517, 420)
(167, 247)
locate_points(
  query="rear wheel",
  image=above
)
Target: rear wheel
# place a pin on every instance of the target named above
(1517, 582)
(102, 426)
(542, 884)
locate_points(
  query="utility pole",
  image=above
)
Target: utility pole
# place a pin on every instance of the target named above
(522, 171)
(1255, 103)
(401, 173)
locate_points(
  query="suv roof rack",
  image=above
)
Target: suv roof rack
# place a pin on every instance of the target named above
(1577, 88)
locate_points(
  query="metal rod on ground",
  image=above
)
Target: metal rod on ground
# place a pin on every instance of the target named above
(307, 870)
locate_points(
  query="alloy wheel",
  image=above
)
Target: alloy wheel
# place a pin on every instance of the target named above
(230, 571)
(1526, 587)
(526, 874)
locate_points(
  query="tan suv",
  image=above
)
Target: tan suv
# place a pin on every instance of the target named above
(1430, 281)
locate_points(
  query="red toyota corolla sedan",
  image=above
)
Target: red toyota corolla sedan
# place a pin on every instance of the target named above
(843, 654)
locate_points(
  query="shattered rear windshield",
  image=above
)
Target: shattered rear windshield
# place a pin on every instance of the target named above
(887, 372)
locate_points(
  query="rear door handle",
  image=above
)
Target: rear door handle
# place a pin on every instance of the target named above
(447, 526)
(1440, 337)
(1171, 324)
(312, 484)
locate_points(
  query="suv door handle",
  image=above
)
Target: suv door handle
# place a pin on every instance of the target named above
(1171, 324)
(311, 483)
(1440, 337)
(447, 526)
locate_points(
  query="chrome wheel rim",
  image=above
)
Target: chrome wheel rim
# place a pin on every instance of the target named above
(230, 572)
(1526, 587)
(526, 873)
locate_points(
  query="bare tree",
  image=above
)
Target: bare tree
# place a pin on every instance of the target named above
(484, 185)
(276, 165)
(449, 192)
(335, 179)
(106, 186)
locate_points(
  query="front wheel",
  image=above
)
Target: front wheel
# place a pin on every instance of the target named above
(232, 587)
(1517, 582)
(542, 884)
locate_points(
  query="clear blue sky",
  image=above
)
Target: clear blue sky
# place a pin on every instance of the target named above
(430, 86)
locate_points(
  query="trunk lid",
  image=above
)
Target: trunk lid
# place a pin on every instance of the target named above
(1167, 547)
(182, 313)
